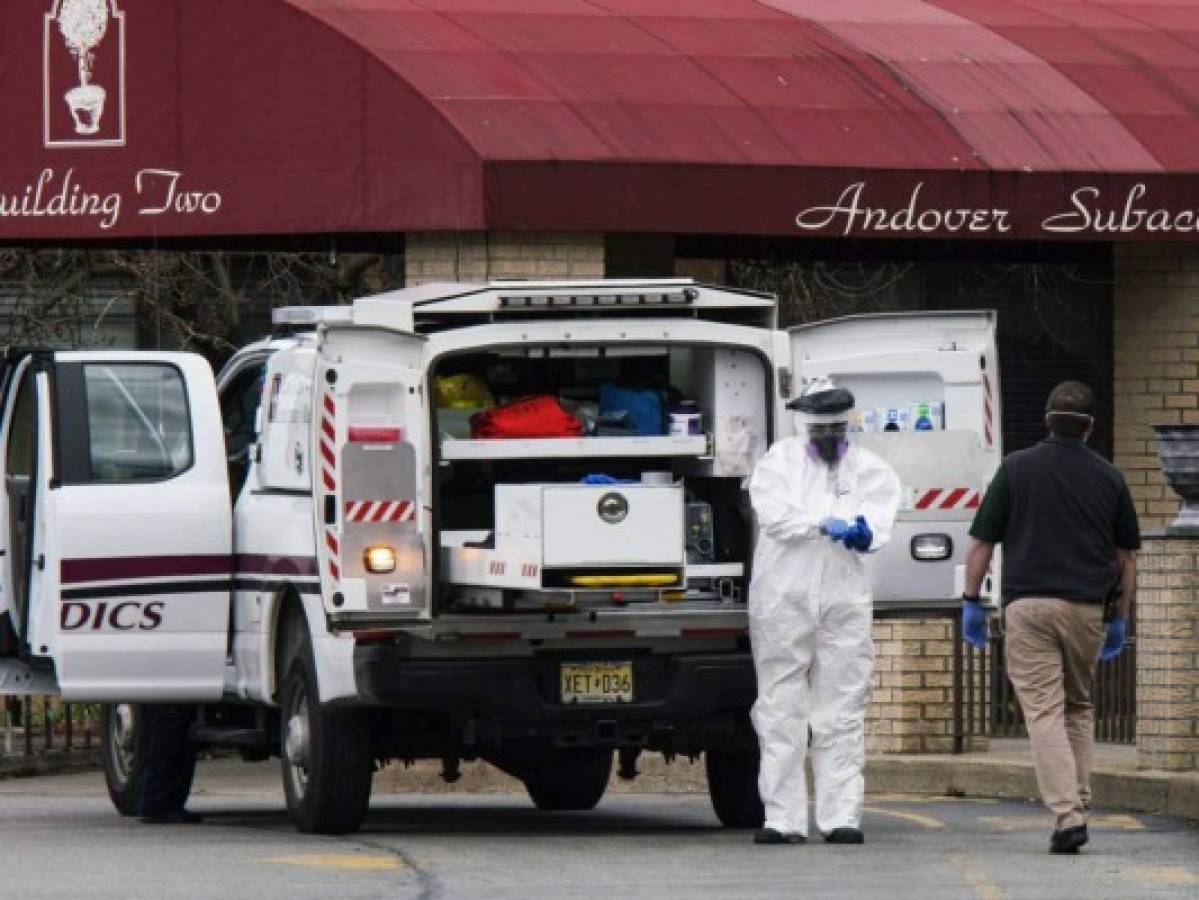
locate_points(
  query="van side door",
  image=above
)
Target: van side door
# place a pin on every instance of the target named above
(124, 588)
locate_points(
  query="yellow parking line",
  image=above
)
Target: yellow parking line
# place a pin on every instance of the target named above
(922, 821)
(927, 798)
(1036, 823)
(1017, 823)
(346, 861)
(1172, 875)
(1124, 822)
(984, 887)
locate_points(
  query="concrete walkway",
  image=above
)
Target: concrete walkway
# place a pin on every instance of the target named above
(1005, 772)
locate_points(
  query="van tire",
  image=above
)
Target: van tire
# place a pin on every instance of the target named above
(118, 748)
(572, 779)
(733, 787)
(327, 762)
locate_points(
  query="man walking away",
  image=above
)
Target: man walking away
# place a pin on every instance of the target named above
(1069, 533)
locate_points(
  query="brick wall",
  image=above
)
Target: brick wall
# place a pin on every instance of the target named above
(911, 709)
(1157, 363)
(1168, 654)
(478, 256)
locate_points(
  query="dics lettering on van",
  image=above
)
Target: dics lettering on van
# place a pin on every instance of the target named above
(129, 615)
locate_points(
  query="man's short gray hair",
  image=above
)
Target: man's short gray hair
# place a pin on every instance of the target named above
(1070, 409)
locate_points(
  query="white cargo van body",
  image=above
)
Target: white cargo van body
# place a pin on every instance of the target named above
(352, 576)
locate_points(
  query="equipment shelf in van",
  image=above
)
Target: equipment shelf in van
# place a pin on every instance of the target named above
(582, 447)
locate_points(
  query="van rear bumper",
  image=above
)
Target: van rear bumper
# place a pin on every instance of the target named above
(679, 700)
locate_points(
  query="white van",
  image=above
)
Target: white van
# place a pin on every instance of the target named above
(337, 570)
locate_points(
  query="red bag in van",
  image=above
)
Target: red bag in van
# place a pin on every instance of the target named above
(534, 417)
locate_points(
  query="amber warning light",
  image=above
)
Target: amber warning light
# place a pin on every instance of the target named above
(379, 559)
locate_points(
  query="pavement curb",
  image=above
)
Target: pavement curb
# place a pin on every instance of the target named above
(1162, 793)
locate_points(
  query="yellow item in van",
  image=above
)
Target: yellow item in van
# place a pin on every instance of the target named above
(604, 581)
(463, 391)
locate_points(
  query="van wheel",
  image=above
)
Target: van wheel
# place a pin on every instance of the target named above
(571, 780)
(733, 787)
(325, 755)
(118, 748)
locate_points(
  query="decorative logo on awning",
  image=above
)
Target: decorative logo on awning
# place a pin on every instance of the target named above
(83, 74)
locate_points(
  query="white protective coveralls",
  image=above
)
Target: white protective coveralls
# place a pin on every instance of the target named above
(810, 612)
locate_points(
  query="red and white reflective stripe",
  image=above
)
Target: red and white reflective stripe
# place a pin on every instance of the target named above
(948, 498)
(380, 511)
(328, 450)
(528, 570)
(375, 434)
(988, 412)
(497, 567)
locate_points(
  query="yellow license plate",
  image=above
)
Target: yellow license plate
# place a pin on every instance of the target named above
(603, 682)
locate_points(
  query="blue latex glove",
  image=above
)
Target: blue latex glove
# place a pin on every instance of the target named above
(602, 478)
(1113, 642)
(835, 528)
(974, 623)
(859, 536)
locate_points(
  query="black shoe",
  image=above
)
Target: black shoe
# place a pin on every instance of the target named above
(174, 817)
(845, 836)
(770, 836)
(1068, 840)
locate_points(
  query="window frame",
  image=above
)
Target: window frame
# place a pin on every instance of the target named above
(73, 426)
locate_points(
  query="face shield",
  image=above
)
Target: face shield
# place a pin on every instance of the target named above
(822, 412)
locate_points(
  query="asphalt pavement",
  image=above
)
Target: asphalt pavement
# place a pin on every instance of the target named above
(59, 837)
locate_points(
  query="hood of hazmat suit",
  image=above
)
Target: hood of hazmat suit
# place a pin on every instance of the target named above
(810, 613)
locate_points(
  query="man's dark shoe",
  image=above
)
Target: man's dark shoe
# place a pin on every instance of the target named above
(770, 836)
(845, 836)
(1068, 840)
(174, 817)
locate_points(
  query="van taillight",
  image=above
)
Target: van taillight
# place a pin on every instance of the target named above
(375, 434)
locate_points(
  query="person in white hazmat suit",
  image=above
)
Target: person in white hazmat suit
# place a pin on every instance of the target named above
(821, 504)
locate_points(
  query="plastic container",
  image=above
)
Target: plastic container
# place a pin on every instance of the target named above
(685, 418)
(895, 418)
(922, 417)
(686, 423)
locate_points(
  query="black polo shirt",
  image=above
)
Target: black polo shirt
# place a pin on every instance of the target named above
(1060, 510)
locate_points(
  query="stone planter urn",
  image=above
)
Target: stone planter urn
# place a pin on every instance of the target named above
(1179, 448)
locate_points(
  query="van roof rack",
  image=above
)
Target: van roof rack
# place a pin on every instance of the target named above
(439, 305)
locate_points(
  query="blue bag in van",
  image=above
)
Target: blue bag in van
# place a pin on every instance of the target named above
(643, 408)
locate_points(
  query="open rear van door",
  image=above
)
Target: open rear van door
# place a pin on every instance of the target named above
(371, 429)
(117, 525)
(927, 392)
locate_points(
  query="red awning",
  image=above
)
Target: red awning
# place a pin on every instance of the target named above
(891, 118)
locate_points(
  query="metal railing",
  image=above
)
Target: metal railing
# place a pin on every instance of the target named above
(1114, 696)
(40, 726)
(972, 693)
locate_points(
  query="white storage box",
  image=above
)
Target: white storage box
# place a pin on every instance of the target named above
(639, 525)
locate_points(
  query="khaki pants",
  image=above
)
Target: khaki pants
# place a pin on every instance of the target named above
(1052, 648)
